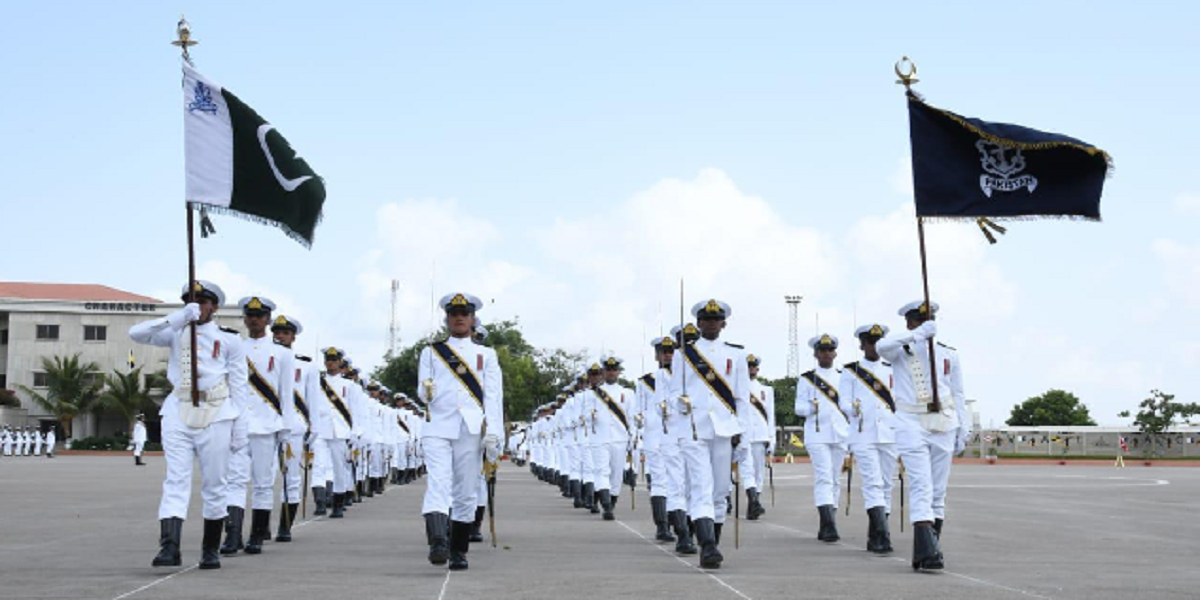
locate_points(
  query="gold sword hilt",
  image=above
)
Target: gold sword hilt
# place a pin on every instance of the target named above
(816, 414)
(691, 412)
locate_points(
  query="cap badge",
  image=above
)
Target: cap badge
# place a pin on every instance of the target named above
(254, 304)
(876, 330)
(459, 300)
(712, 307)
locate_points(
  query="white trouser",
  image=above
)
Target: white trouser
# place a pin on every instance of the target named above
(827, 465)
(941, 456)
(656, 468)
(295, 469)
(339, 463)
(8, 448)
(608, 465)
(575, 461)
(256, 463)
(454, 467)
(876, 467)
(25, 449)
(564, 461)
(708, 463)
(137, 448)
(322, 467)
(399, 455)
(917, 448)
(37, 448)
(753, 467)
(589, 463)
(181, 446)
(676, 475)
(481, 494)
(375, 468)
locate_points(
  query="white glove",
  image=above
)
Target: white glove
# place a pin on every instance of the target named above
(927, 330)
(491, 445)
(190, 312)
(960, 442)
(740, 453)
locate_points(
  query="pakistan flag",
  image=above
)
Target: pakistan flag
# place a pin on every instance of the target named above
(239, 163)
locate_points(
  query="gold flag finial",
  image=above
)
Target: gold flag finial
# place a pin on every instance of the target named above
(906, 70)
(183, 30)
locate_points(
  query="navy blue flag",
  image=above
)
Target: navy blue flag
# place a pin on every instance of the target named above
(966, 168)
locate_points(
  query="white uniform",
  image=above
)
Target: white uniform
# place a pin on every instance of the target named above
(221, 366)
(865, 395)
(51, 440)
(305, 387)
(708, 460)
(452, 437)
(651, 432)
(139, 438)
(924, 440)
(37, 443)
(610, 440)
(6, 439)
(269, 407)
(826, 444)
(759, 435)
(335, 429)
(950, 369)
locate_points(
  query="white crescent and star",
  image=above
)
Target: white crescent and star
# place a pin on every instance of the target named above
(289, 185)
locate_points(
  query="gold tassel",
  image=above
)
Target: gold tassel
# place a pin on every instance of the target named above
(984, 223)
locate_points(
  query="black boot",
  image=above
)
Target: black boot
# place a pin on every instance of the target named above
(339, 504)
(260, 526)
(435, 532)
(170, 533)
(754, 508)
(926, 553)
(577, 493)
(728, 505)
(368, 487)
(460, 542)
(477, 524)
(937, 528)
(210, 557)
(287, 514)
(873, 530)
(828, 531)
(706, 534)
(683, 533)
(589, 498)
(658, 508)
(233, 530)
(137, 460)
(606, 502)
(318, 501)
(883, 538)
(717, 527)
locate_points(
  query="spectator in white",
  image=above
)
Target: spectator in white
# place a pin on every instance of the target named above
(139, 439)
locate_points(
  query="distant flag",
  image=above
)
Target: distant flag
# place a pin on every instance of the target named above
(965, 168)
(132, 362)
(795, 441)
(1124, 446)
(238, 163)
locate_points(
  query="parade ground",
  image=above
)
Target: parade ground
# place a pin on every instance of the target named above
(85, 527)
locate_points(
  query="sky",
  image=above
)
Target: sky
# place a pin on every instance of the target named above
(572, 163)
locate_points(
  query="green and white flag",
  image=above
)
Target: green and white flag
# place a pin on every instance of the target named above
(238, 163)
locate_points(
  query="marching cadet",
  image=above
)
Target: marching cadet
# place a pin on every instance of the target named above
(299, 420)
(6, 439)
(139, 438)
(611, 405)
(37, 441)
(373, 439)
(680, 432)
(951, 370)
(23, 441)
(51, 439)
(925, 433)
(201, 428)
(577, 442)
(336, 430)
(711, 385)
(865, 393)
(462, 384)
(653, 425)
(759, 436)
(588, 415)
(270, 377)
(826, 428)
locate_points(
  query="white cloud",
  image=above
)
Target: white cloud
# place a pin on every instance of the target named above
(1181, 269)
(1188, 203)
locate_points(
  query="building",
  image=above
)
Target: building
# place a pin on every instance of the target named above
(45, 320)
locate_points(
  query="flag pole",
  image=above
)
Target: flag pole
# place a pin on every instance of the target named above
(907, 77)
(184, 31)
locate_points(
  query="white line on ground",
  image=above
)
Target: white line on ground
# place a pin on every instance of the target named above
(155, 582)
(193, 567)
(445, 584)
(722, 582)
(983, 582)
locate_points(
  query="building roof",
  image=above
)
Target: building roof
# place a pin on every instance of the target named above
(69, 291)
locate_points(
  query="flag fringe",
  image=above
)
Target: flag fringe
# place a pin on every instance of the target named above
(1007, 143)
(287, 230)
(962, 218)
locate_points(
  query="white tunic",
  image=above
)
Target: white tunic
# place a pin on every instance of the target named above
(452, 405)
(713, 416)
(275, 364)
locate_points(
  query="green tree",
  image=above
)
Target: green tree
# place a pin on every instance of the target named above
(1055, 407)
(71, 388)
(9, 398)
(785, 401)
(1157, 414)
(125, 394)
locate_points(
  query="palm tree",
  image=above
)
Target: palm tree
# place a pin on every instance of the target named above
(125, 394)
(70, 388)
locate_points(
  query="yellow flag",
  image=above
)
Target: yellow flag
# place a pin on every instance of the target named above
(796, 441)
